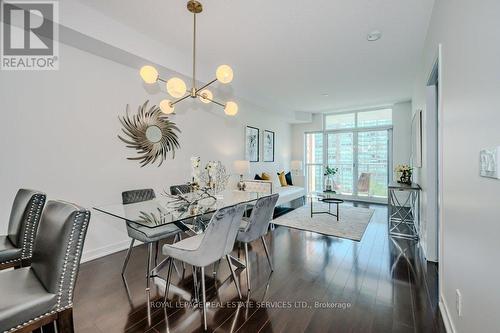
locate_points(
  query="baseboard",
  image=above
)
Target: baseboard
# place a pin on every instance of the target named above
(106, 250)
(445, 314)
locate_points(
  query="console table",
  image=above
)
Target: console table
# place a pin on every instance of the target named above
(404, 203)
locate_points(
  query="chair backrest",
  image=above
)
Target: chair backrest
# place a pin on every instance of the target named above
(364, 182)
(180, 189)
(220, 235)
(258, 223)
(58, 248)
(24, 217)
(133, 196)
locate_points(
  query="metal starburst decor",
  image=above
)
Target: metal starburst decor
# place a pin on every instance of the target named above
(151, 133)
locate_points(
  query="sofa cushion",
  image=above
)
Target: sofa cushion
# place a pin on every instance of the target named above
(282, 179)
(288, 177)
(257, 177)
(289, 193)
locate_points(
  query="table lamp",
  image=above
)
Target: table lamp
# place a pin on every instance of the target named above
(242, 167)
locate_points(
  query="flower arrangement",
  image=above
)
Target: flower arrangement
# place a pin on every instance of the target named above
(405, 172)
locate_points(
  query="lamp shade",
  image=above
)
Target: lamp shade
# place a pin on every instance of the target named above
(296, 165)
(231, 108)
(242, 167)
(176, 87)
(224, 74)
(149, 74)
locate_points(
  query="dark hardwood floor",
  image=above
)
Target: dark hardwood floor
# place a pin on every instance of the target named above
(320, 284)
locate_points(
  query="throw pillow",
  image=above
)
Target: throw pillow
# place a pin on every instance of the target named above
(257, 177)
(281, 177)
(265, 176)
(288, 177)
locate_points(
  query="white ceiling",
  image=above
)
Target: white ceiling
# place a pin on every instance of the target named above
(287, 54)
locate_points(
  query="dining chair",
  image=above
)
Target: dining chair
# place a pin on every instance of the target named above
(38, 295)
(204, 249)
(180, 189)
(256, 227)
(150, 236)
(16, 247)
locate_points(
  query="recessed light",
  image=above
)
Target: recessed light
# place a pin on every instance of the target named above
(325, 95)
(374, 35)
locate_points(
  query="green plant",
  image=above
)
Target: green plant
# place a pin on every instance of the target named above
(330, 171)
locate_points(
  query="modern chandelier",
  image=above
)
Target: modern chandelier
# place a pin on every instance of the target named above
(176, 87)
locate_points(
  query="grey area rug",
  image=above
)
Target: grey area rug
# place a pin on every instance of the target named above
(352, 224)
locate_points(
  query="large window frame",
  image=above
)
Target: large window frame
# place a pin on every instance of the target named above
(355, 130)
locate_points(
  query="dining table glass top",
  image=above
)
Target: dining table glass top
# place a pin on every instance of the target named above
(177, 209)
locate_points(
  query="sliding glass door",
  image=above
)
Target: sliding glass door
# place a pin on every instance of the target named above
(362, 160)
(340, 155)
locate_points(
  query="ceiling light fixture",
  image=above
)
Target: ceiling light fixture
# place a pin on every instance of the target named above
(177, 88)
(374, 36)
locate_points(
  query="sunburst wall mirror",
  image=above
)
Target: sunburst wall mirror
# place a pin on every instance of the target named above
(150, 133)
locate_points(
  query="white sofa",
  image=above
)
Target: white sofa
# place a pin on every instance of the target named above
(287, 194)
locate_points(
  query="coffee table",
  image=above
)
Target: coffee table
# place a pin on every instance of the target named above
(327, 197)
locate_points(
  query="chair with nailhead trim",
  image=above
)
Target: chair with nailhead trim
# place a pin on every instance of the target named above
(16, 247)
(39, 295)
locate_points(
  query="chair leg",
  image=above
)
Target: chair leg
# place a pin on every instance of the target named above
(169, 274)
(129, 251)
(183, 264)
(247, 264)
(148, 278)
(204, 297)
(157, 248)
(64, 321)
(267, 253)
(234, 276)
(195, 283)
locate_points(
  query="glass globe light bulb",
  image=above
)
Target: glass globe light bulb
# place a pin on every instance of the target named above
(224, 74)
(231, 108)
(205, 96)
(166, 106)
(176, 87)
(149, 74)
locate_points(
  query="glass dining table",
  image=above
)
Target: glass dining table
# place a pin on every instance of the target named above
(186, 211)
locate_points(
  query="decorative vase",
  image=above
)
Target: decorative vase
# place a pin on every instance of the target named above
(329, 185)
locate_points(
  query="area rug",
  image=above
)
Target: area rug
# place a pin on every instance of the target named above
(352, 224)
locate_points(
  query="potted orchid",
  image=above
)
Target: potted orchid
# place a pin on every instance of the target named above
(404, 172)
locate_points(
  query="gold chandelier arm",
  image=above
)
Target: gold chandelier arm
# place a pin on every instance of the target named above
(206, 85)
(180, 99)
(162, 80)
(211, 100)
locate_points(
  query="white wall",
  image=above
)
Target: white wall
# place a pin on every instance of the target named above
(470, 85)
(60, 131)
(401, 117)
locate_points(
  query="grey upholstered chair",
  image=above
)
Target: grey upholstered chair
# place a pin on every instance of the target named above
(204, 249)
(256, 227)
(38, 295)
(143, 234)
(16, 247)
(180, 189)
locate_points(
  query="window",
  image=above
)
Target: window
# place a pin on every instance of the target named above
(314, 161)
(339, 121)
(375, 118)
(358, 145)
